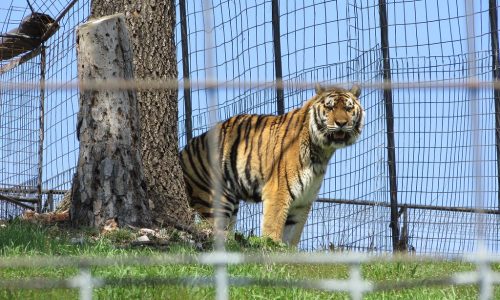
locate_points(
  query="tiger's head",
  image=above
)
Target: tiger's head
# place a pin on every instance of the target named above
(336, 116)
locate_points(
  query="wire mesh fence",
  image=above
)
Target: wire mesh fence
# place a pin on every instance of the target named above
(432, 129)
(302, 41)
(354, 285)
(34, 118)
(434, 155)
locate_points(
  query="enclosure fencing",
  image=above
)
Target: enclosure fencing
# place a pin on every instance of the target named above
(357, 287)
(38, 145)
(423, 178)
(408, 181)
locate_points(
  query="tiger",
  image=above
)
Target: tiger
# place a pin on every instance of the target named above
(279, 160)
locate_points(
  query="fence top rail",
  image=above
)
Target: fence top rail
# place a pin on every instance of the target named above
(168, 84)
(411, 206)
(16, 190)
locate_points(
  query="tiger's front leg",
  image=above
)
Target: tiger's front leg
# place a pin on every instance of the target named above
(276, 207)
(294, 225)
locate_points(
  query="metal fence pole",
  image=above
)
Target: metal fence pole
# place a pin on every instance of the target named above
(185, 72)
(221, 270)
(496, 76)
(391, 145)
(50, 201)
(43, 66)
(280, 95)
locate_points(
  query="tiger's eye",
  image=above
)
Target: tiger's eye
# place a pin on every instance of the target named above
(329, 103)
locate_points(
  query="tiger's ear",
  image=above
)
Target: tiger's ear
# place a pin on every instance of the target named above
(356, 90)
(319, 89)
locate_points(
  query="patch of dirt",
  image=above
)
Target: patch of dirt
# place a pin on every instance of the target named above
(158, 237)
(46, 218)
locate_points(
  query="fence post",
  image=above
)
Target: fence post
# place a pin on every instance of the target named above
(280, 95)
(185, 72)
(496, 76)
(43, 61)
(403, 243)
(391, 147)
(50, 201)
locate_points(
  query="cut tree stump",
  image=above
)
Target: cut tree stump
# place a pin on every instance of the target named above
(151, 25)
(109, 180)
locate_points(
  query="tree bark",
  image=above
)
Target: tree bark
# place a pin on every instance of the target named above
(152, 25)
(109, 181)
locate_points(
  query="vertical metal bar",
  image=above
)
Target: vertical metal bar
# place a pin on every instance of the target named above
(43, 61)
(280, 95)
(356, 281)
(185, 72)
(493, 12)
(221, 272)
(391, 145)
(403, 235)
(50, 201)
(486, 284)
(84, 283)
(474, 124)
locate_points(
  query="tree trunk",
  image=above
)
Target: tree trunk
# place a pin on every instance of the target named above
(151, 25)
(109, 182)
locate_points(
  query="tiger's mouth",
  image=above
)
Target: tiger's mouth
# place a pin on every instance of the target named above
(338, 136)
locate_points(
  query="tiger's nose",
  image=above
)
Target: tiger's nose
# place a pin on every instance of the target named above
(341, 123)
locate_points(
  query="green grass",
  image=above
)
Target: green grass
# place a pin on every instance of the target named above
(19, 239)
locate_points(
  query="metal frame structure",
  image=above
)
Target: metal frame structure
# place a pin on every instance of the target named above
(278, 54)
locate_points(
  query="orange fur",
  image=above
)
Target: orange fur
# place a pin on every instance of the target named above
(279, 160)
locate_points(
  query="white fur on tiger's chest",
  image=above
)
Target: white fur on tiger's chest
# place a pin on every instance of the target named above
(307, 192)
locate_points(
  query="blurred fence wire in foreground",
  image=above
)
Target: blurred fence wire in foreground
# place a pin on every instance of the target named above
(427, 163)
